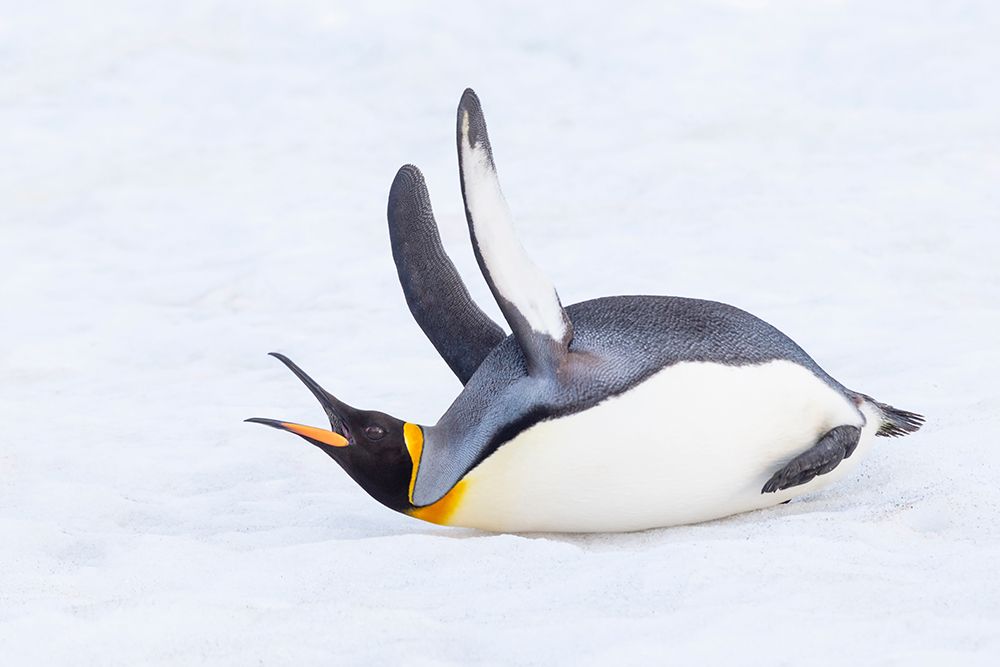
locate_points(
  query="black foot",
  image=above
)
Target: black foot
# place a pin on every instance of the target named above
(821, 458)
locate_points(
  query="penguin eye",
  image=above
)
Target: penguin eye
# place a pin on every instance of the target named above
(374, 432)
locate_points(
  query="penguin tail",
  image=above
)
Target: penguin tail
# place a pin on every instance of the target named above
(896, 422)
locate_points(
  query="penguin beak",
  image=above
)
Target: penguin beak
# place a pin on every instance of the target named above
(335, 411)
(315, 435)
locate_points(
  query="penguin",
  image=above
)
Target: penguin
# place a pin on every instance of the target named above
(615, 414)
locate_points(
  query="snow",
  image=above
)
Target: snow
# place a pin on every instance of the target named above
(187, 186)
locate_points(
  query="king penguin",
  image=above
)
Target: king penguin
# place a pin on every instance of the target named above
(616, 414)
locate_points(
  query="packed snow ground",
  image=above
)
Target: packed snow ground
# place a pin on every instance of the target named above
(186, 187)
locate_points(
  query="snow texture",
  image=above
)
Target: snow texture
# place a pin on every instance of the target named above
(187, 186)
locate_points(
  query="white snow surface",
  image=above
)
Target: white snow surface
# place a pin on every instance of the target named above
(186, 186)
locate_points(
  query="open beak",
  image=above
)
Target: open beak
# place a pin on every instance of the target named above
(334, 409)
(317, 436)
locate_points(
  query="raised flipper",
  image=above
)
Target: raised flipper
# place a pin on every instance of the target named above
(462, 333)
(526, 297)
(838, 444)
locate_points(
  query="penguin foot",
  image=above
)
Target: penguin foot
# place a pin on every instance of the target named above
(838, 444)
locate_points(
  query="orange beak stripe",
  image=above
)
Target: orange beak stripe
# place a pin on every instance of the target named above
(318, 434)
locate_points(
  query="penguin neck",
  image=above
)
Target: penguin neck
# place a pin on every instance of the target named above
(439, 512)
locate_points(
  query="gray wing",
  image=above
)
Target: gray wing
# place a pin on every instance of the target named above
(438, 299)
(527, 298)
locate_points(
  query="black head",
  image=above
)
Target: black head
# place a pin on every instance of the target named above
(371, 446)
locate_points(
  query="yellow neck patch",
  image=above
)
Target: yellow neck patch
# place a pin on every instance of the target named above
(442, 510)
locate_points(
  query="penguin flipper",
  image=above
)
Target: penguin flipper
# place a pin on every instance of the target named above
(438, 299)
(838, 444)
(528, 300)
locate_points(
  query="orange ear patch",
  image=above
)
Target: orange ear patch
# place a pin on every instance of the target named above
(414, 439)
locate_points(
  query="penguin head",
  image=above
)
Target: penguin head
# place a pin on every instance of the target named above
(369, 445)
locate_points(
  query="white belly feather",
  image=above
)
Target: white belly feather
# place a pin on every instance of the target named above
(694, 442)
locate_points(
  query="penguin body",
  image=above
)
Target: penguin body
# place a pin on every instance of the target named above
(656, 420)
(615, 414)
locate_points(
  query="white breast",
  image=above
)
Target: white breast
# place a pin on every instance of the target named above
(694, 442)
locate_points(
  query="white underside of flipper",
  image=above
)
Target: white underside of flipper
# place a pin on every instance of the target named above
(694, 442)
(514, 276)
